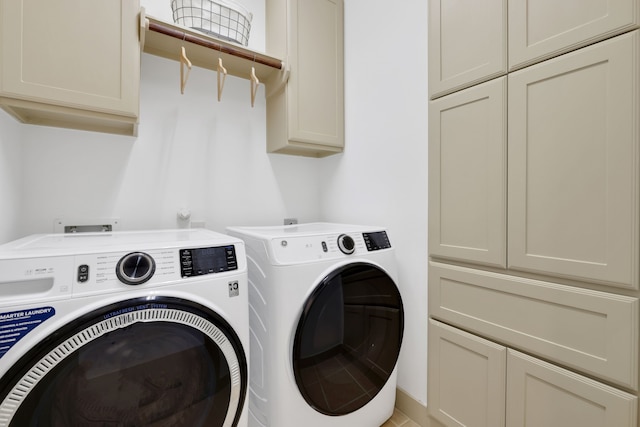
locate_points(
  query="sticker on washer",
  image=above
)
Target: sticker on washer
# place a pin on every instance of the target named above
(234, 289)
(14, 325)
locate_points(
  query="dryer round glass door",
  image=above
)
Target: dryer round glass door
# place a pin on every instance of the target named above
(136, 363)
(348, 339)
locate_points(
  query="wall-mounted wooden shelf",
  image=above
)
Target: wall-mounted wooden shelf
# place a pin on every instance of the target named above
(166, 40)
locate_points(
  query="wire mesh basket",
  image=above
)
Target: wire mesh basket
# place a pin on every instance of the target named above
(224, 19)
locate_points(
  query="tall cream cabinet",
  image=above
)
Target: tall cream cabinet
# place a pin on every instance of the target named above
(305, 116)
(573, 164)
(467, 43)
(534, 220)
(468, 174)
(71, 63)
(489, 385)
(546, 28)
(470, 373)
(474, 41)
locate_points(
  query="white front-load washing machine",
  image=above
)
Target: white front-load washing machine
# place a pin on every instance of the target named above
(144, 328)
(326, 325)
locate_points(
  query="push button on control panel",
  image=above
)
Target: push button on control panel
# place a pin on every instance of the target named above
(83, 273)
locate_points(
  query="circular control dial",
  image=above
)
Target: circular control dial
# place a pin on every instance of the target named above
(346, 244)
(135, 268)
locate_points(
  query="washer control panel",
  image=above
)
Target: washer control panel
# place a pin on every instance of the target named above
(199, 261)
(106, 272)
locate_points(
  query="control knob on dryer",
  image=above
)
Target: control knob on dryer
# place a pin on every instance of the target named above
(346, 244)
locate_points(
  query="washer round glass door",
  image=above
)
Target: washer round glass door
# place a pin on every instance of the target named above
(165, 362)
(348, 339)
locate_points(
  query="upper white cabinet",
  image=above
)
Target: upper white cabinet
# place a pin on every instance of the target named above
(467, 43)
(468, 174)
(574, 166)
(71, 63)
(306, 115)
(544, 28)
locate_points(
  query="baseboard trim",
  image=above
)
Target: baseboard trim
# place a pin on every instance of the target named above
(411, 408)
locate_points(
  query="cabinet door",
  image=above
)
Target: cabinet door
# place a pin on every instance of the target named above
(573, 164)
(594, 332)
(307, 117)
(466, 381)
(316, 53)
(73, 54)
(467, 43)
(543, 395)
(544, 28)
(467, 174)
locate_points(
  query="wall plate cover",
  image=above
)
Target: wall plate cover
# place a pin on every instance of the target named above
(84, 225)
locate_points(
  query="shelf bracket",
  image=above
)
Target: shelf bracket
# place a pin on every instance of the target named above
(277, 82)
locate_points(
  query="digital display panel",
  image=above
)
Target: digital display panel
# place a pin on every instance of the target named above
(376, 241)
(199, 261)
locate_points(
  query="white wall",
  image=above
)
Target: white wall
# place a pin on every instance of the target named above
(10, 177)
(382, 176)
(193, 152)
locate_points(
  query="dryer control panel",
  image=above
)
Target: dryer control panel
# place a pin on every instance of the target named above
(299, 249)
(376, 241)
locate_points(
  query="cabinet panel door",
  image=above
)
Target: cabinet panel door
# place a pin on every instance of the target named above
(467, 43)
(316, 83)
(573, 164)
(466, 381)
(467, 174)
(72, 53)
(544, 28)
(595, 332)
(543, 395)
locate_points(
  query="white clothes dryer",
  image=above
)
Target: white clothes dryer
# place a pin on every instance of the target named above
(326, 325)
(144, 328)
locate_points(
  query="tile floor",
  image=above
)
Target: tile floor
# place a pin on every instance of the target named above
(338, 383)
(398, 419)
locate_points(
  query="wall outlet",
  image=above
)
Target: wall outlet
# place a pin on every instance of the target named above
(290, 221)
